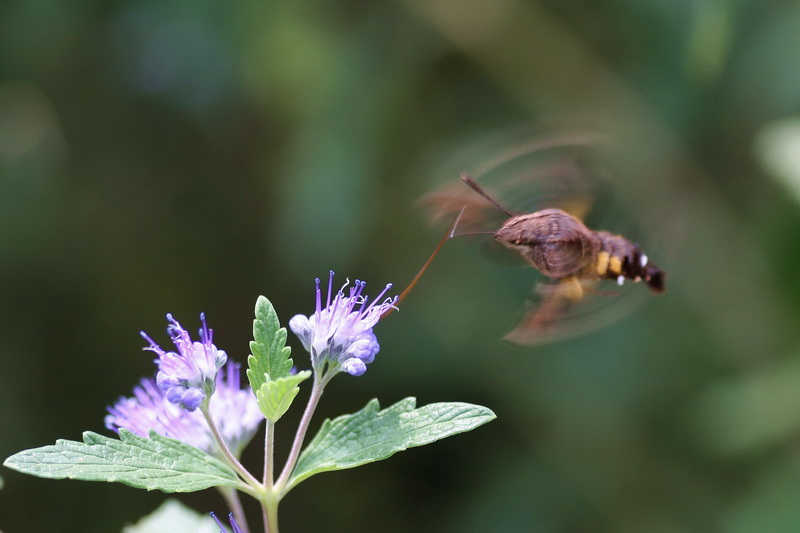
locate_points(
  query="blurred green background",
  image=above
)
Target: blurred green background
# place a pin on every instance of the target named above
(186, 156)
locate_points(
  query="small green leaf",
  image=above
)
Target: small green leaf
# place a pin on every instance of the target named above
(157, 463)
(270, 355)
(371, 435)
(276, 396)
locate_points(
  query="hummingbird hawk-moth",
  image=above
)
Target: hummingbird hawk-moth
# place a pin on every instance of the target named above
(564, 249)
(553, 239)
(561, 247)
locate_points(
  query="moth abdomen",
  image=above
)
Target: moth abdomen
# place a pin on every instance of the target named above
(620, 259)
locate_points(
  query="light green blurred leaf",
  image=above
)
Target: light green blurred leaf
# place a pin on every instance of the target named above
(769, 504)
(777, 146)
(750, 412)
(174, 517)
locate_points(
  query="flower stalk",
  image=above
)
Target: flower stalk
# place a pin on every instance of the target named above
(226, 452)
(297, 445)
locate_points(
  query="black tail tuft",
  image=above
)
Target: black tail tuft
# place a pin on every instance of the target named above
(654, 277)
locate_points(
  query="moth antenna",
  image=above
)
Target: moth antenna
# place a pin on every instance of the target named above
(449, 234)
(478, 189)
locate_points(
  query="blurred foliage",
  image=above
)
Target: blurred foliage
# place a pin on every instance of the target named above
(188, 156)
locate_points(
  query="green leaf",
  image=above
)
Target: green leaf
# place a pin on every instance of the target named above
(270, 355)
(175, 517)
(157, 463)
(371, 435)
(276, 396)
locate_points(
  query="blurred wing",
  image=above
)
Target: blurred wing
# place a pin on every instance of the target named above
(524, 175)
(542, 318)
(558, 310)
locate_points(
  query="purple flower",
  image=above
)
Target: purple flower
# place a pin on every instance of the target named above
(188, 375)
(234, 525)
(341, 332)
(234, 409)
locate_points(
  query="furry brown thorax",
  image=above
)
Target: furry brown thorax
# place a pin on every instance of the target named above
(560, 246)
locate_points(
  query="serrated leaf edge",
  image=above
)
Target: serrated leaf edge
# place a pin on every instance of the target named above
(96, 446)
(268, 338)
(407, 405)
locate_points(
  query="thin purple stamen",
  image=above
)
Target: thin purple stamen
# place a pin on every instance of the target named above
(317, 293)
(378, 298)
(174, 329)
(356, 294)
(205, 333)
(234, 525)
(146, 337)
(333, 307)
(330, 285)
(363, 302)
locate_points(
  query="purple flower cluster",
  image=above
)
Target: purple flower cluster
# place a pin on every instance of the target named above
(235, 410)
(187, 375)
(341, 332)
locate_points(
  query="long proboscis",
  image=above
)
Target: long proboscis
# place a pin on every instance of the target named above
(449, 234)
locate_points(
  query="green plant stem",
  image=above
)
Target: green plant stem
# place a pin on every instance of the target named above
(269, 456)
(302, 428)
(270, 512)
(269, 505)
(231, 497)
(232, 460)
